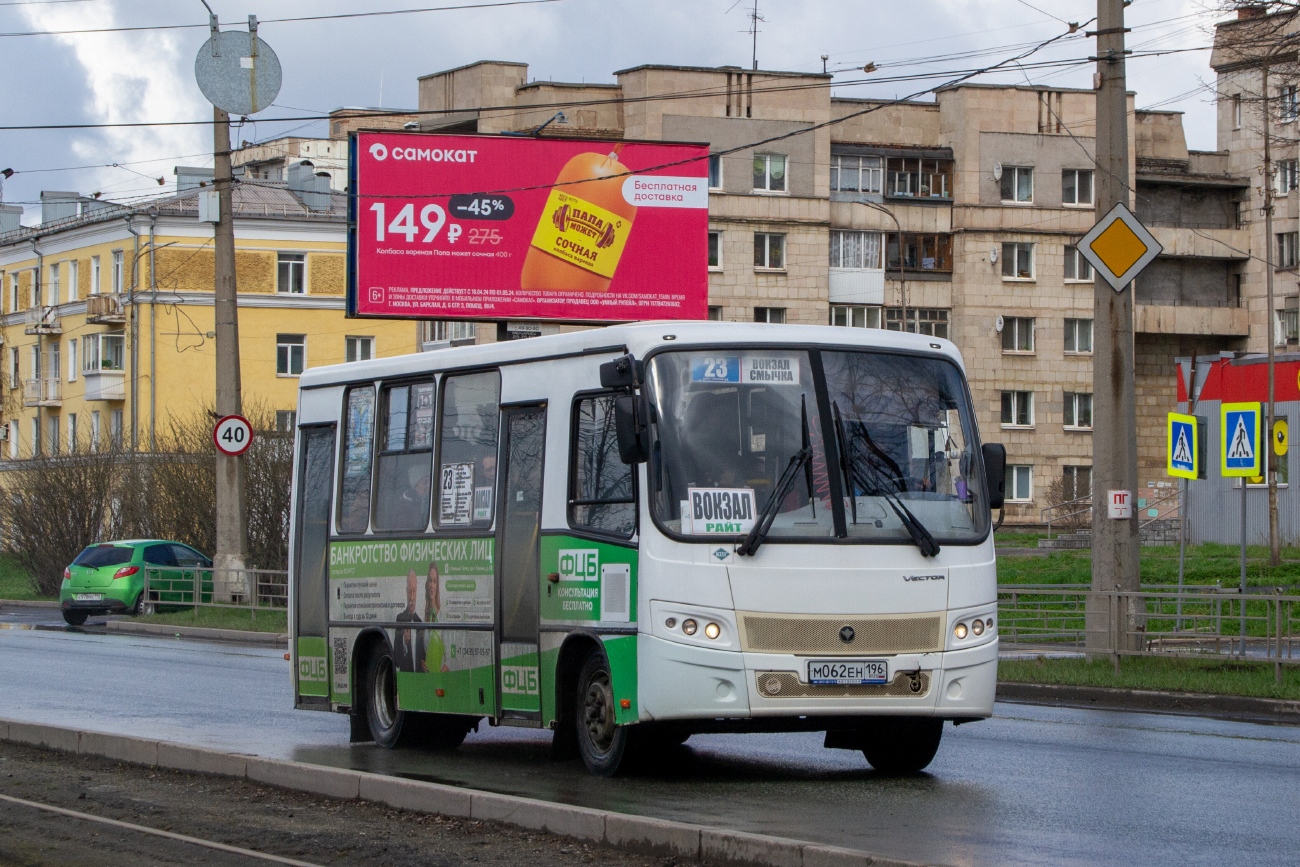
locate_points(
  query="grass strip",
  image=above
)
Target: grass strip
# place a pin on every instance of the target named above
(222, 618)
(1206, 565)
(1254, 680)
(16, 582)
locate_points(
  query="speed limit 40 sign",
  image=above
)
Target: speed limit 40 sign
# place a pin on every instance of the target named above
(232, 435)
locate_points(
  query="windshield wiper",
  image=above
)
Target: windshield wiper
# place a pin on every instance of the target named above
(921, 535)
(763, 523)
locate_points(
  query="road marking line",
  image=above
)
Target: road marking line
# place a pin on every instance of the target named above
(209, 844)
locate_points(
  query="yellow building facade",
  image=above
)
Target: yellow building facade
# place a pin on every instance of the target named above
(107, 315)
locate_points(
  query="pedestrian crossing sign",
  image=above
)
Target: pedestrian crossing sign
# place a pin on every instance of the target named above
(1239, 432)
(1183, 447)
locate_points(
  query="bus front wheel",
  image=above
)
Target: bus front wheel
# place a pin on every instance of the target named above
(602, 743)
(903, 745)
(387, 723)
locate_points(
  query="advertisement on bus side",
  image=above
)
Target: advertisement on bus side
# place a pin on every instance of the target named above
(496, 227)
(418, 581)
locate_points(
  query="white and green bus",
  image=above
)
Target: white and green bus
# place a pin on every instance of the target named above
(633, 534)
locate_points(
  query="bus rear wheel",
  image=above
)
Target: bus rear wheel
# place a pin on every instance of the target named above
(388, 725)
(902, 745)
(602, 743)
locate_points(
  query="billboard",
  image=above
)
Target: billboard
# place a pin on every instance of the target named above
(496, 227)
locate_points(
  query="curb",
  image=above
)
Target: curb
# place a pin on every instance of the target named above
(1229, 707)
(29, 603)
(204, 633)
(620, 830)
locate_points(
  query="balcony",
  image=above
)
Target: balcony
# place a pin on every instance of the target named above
(105, 310)
(1196, 321)
(857, 286)
(43, 320)
(105, 384)
(42, 392)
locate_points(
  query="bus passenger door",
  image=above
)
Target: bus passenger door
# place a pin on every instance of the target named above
(309, 576)
(518, 562)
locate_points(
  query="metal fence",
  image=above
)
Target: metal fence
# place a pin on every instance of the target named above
(251, 590)
(1195, 622)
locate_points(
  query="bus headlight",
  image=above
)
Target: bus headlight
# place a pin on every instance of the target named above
(977, 627)
(712, 630)
(689, 626)
(960, 631)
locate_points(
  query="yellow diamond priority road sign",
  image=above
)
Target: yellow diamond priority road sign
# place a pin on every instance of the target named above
(1119, 247)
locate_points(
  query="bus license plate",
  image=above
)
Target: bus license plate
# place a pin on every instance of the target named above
(88, 597)
(847, 672)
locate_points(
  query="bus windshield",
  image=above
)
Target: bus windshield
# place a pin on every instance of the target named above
(726, 424)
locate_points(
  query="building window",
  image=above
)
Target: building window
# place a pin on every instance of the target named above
(290, 354)
(715, 171)
(769, 251)
(1017, 409)
(1285, 176)
(1287, 326)
(14, 369)
(56, 283)
(855, 316)
(715, 314)
(94, 430)
(13, 293)
(1078, 335)
(1287, 244)
(1017, 183)
(1288, 102)
(1236, 111)
(36, 437)
(96, 277)
(117, 275)
(115, 428)
(55, 441)
(1076, 267)
(13, 440)
(932, 322)
(103, 352)
(1078, 410)
(918, 178)
(358, 348)
(1076, 187)
(72, 359)
(772, 315)
(442, 331)
(1018, 334)
(855, 174)
(715, 251)
(291, 273)
(1019, 483)
(1018, 260)
(857, 250)
(285, 420)
(769, 173)
(921, 252)
(74, 279)
(1076, 483)
(72, 432)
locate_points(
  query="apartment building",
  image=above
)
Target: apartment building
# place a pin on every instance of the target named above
(956, 218)
(106, 312)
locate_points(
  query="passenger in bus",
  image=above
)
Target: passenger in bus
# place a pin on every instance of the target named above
(404, 652)
(713, 423)
(411, 511)
(432, 652)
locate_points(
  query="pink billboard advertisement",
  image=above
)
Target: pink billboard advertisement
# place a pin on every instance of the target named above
(506, 227)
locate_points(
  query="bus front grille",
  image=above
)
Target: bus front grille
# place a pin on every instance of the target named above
(786, 684)
(825, 635)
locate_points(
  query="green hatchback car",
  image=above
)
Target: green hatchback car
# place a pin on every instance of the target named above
(109, 578)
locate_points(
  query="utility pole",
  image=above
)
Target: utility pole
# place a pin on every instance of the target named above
(232, 537)
(1115, 547)
(754, 18)
(1274, 549)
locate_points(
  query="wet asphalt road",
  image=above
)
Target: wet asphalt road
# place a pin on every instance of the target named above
(1032, 786)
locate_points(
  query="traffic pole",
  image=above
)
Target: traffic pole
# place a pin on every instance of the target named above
(232, 535)
(1115, 546)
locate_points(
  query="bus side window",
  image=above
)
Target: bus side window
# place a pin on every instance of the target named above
(467, 453)
(601, 493)
(405, 458)
(358, 435)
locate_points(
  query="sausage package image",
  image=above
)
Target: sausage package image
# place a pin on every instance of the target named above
(492, 227)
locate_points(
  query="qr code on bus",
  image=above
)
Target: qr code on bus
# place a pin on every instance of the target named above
(341, 656)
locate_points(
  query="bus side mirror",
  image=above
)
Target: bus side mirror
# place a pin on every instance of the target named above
(628, 430)
(995, 473)
(621, 373)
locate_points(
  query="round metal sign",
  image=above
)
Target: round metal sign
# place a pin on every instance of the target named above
(232, 435)
(238, 72)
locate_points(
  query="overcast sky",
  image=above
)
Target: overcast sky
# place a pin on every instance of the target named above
(149, 75)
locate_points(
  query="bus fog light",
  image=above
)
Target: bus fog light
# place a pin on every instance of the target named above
(989, 622)
(712, 630)
(670, 622)
(959, 630)
(689, 626)
(977, 627)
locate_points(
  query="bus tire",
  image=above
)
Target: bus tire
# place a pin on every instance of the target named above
(388, 725)
(903, 745)
(603, 745)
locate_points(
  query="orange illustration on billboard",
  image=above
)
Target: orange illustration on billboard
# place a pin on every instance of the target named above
(583, 227)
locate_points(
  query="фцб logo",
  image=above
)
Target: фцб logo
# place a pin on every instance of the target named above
(378, 151)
